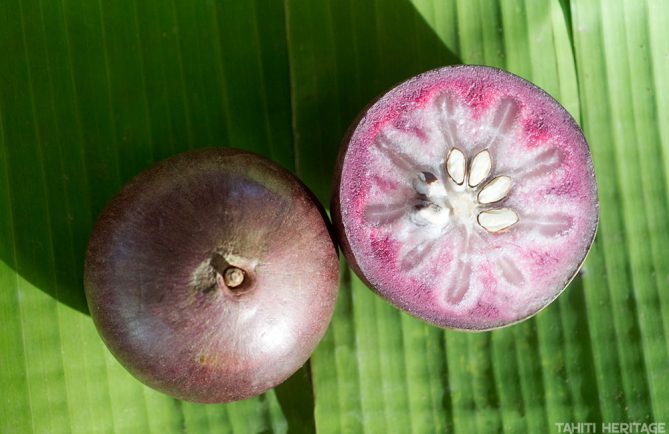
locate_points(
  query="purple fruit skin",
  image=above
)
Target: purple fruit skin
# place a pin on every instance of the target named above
(212, 345)
(411, 299)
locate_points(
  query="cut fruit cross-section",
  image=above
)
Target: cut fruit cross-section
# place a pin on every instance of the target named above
(467, 197)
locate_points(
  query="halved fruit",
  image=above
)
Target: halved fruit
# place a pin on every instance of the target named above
(467, 197)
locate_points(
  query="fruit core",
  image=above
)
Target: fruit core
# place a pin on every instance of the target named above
(463, 196)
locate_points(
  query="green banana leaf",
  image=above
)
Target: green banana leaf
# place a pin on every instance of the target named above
(92, 92)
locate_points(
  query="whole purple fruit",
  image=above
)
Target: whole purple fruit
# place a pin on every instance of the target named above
(212, 276)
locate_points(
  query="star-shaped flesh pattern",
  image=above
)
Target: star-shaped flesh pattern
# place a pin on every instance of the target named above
(467, 197)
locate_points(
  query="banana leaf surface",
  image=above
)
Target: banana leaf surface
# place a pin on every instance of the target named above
(92, 92)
